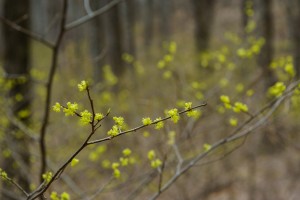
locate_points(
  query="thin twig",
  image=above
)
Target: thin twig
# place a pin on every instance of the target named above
(11, 195)
(49, 86)
(101, 189)
(272, 108)
(10, 180)
(142, 185)
(58, 173)
(68, 180)
(179, 157)
(92, 106)
(161, 170)
(142, 126)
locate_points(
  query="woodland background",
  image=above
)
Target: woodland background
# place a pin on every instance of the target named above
(140, 58)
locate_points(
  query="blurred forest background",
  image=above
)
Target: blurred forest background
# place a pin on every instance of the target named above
(140, 58)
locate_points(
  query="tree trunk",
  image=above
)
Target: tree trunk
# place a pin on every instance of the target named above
(165, 20)
(128, 22)
(39, 20)
(98, 42)
(203, 15)
(245, 17)
(266, 29)
(1, 32)
(114, 38)
(293, 21)
(16, 66)
(149, 22)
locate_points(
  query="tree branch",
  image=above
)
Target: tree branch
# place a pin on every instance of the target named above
(49, 89)
(142, 126)
(87, 7)
(91, 15)
(57, 174)
(272, 107)
(27, 32)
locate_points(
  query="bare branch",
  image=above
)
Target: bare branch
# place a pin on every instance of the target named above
(49, 88)
(160, 171)
(18, 123)
(10, 180)
(68, 180)
(147, 179)
(58, 173)
(142, 126)
(27, 32)
(179, 157)
(87, 7)
(10, 195)
(92, 15)
(101, 189)
(243, 132)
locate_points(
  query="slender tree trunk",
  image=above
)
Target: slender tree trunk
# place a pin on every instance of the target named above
(165, 20)
(1, 31)
(203, 14)
(16, 66)
(98, 43)
(266, 30)
(149, 22)
(251, 177)
(114, 38)
(128, 22)
(245, 17)
(293, 21)
(38, 18)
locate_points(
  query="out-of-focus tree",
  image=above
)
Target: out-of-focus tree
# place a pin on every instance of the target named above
(128, 9)
(44, 18)
(112, 35)
(1, 34)
(39, 18)
(98, 45)
(149, 22)
(77, 9)
(157, 21)
(165, 19)
(265, 28)
(16, 66)
(293, 21)
(203, 15)
(114, 40)
(247, 14)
